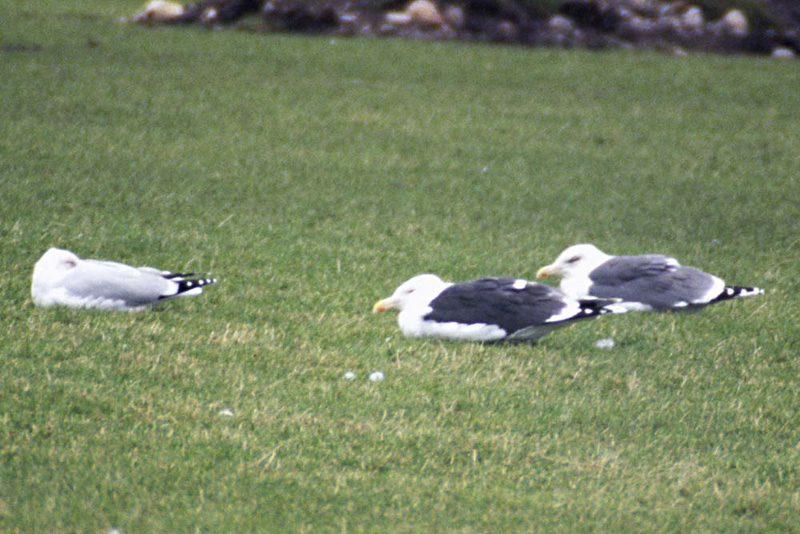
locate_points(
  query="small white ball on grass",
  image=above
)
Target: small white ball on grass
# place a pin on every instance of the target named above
(376, 376)
(605, 343)
(225, 412)
(349, 375)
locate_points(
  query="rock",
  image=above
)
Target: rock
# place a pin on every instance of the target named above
(638, 26)
(507, 31)
(420, 12)
(782, 52)
(397, 18)
(735, 23)
(210, 15)
(561, 24)
(160, 11)
(454, 16)
(425, 13)
(693, 19)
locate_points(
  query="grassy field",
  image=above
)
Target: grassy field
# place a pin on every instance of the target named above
(312, 176)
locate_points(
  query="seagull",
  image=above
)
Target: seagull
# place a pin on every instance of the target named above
(643, 283)
(60, 278)
(489, 309)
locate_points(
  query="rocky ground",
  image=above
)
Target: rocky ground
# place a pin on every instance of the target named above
(675, 26)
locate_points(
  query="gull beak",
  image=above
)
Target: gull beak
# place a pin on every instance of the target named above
(381, 306)
(547, 270)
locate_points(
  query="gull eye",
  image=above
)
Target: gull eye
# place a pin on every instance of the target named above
(409, 291)
(574, 259)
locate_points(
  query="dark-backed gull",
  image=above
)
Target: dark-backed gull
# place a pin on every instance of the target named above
(60, 278)
(489, 309)
(642, 283)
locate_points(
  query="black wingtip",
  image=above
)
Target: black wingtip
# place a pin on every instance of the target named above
(595, 307)
(189, 285)
(175, 276)
(735, 292)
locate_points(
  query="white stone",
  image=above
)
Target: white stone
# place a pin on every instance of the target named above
(161, 11)
(736, 23)
(561, 24)
(607, 343)
(397, 18)
(454, 15)
(782, 52)
(693, 19)
(424, 12)
(349, 375)
(376, 376)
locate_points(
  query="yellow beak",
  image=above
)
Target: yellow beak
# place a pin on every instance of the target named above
(380, 306)
(548, 270)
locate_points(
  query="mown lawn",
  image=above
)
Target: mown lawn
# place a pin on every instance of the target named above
(312, 176)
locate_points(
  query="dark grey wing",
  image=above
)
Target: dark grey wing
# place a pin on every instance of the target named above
(656, 281)
(497, 301)
(622, 269)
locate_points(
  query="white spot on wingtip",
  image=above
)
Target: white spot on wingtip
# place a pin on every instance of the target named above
(520, 284)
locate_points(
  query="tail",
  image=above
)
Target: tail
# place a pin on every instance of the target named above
(735, 292)
(187, 287)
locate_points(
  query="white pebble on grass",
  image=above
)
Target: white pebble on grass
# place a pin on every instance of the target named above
(604, 343)
(349, 375)
(376, 376)
(225, 412)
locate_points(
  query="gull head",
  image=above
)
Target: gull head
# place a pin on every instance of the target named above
(53, 264)
(416, 291)
(50, 270)
(577, 260)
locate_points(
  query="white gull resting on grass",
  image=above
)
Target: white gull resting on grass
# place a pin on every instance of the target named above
(60, 278)
(643, 283)
(490, 309)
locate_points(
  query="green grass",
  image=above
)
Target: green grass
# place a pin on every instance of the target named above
(312, 176)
